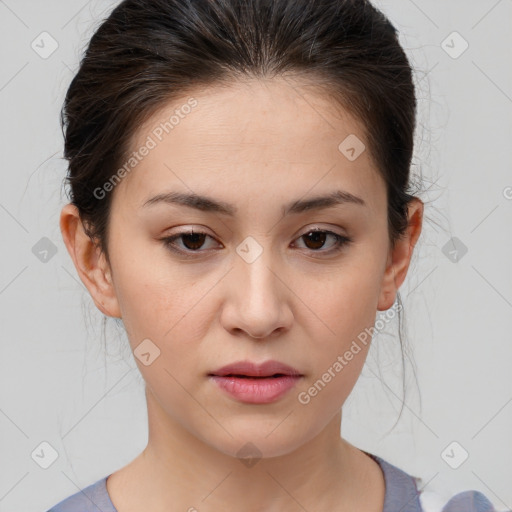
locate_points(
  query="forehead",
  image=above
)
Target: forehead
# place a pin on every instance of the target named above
(251, 136)
(252, 113)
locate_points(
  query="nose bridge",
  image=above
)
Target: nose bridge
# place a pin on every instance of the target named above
(257, 305)
(254, 267)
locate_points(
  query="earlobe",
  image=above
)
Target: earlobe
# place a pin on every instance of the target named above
(89, 261)
(400, 255)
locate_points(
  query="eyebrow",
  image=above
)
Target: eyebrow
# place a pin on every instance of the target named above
(207, 204)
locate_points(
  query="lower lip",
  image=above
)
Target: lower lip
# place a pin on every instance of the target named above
(256, 390)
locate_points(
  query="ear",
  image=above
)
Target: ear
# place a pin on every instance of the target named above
(90, 262)
(400, 255)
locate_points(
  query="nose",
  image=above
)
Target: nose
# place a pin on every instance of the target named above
(258, 301)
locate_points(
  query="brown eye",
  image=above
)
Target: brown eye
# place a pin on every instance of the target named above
(316, 239)
(192, 241)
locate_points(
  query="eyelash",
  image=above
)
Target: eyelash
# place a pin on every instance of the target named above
(341, 242)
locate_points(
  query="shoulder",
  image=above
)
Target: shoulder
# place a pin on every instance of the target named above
(93, 498)
(466, 501)
(403, 492)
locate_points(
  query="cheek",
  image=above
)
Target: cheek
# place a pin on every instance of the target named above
(347, 302)
(339, 355)
(163, 303)
(148, 288)
(346, 306)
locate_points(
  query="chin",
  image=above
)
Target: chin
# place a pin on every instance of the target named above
(257, 439)
(250, 448)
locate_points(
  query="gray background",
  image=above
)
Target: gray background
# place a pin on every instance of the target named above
(62, 386)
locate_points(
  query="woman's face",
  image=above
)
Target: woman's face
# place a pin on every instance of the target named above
(254, 284)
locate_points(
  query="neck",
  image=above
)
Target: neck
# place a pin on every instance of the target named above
(183, 472)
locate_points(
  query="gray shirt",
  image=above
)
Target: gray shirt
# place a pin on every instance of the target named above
(402, 495)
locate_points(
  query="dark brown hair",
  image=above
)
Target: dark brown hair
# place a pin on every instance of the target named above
(148, 52)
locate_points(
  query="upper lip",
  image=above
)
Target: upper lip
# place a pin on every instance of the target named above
(250, 369)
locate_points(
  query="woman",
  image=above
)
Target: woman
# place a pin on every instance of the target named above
(240, 198)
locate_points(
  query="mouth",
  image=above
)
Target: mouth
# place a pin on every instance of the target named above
(248, 369)
(251, 383)
(239, 376)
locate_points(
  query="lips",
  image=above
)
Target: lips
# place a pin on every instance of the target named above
(253, 383)
(263, 370)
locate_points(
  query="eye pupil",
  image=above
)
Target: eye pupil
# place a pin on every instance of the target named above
(318, 238)
(197, 240)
